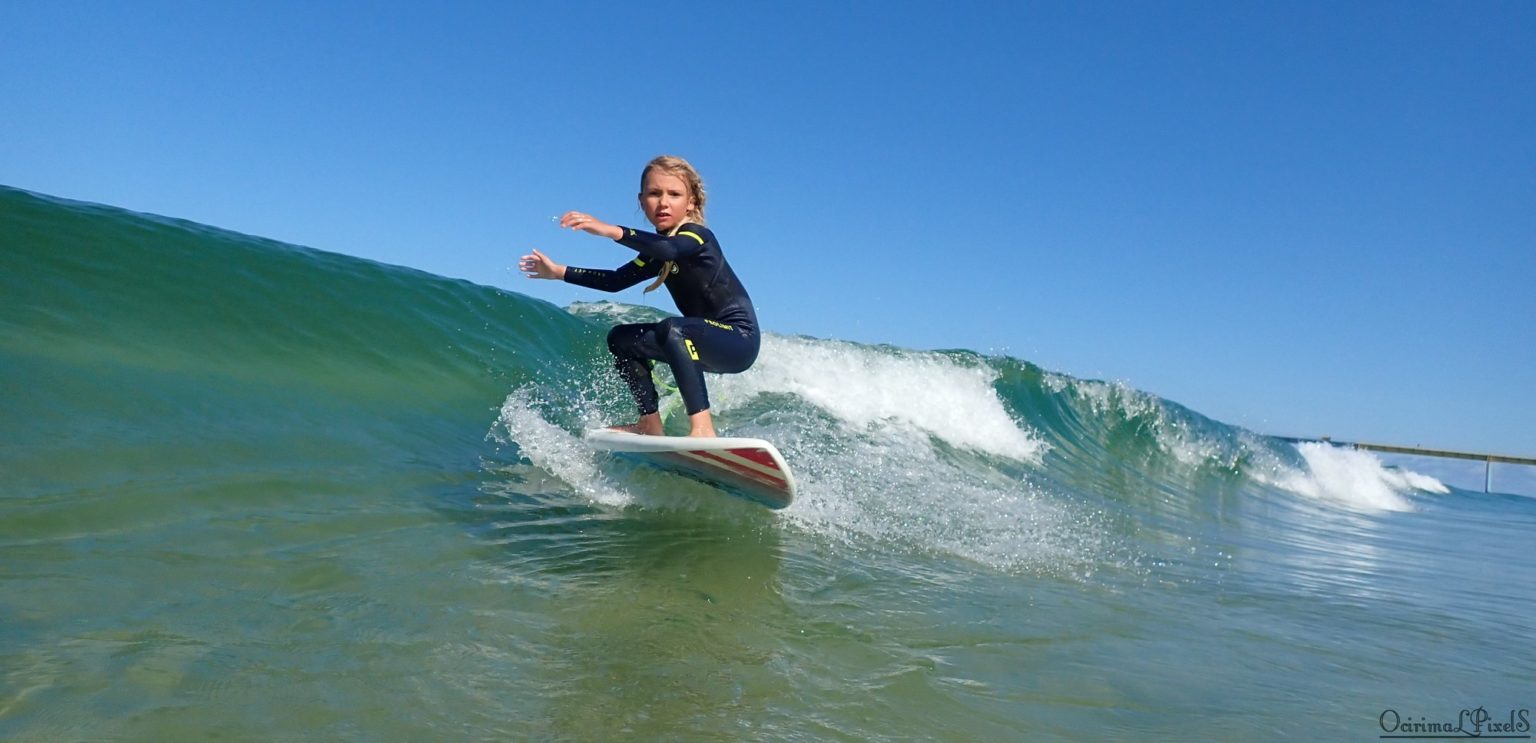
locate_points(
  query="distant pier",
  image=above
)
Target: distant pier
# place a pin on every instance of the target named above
(1488, 459)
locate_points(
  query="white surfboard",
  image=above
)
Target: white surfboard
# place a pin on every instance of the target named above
(749, 468)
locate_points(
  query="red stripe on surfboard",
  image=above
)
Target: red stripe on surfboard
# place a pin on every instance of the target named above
(726, 469)
(739, 469)
(761, 456)
(743, 470)
(765, 476)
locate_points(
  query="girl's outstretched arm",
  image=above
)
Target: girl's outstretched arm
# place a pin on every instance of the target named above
(538, 266)
(590, 224)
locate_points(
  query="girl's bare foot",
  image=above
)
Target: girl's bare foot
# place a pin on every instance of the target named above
(648, 425)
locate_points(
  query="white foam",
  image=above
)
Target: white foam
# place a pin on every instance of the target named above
(899, 463)
(875, 390)
(898, 490)
(1355, 479)
(554, 449)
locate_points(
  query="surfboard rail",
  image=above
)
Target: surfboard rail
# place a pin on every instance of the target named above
(746, 467)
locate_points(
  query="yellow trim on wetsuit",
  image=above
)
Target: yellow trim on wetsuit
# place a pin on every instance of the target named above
(719, 325)
(692, 235)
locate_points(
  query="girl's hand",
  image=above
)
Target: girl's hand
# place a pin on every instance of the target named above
(539, 266)
(590, 224)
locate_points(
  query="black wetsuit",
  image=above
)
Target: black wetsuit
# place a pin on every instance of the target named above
(718, 329)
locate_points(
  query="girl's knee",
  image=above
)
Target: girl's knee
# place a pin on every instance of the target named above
(669, 329)
(671, 334)
(620, 338)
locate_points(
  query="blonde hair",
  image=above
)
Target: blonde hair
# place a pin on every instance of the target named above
(676, 166)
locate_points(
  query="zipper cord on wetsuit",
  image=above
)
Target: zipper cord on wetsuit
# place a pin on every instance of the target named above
(666, 410)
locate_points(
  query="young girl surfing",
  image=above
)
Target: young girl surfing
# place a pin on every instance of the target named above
(718, 329)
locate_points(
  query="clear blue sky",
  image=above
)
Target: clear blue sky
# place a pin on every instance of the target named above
(1302, 217)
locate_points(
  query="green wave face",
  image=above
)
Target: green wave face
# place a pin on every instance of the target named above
(203, 343)
(256, 491)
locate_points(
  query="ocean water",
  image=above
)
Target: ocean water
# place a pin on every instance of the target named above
(251, 491)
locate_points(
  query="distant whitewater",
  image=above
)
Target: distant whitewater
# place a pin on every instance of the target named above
(261, 490)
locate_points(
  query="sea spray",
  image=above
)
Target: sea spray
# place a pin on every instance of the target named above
(908, 449)
(557, 450)
(883, 390)
(1354, 479)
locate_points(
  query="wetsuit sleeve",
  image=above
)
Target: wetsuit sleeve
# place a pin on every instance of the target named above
(619, 279)
(689, 240)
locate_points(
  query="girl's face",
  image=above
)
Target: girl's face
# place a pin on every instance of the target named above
(666, 201)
